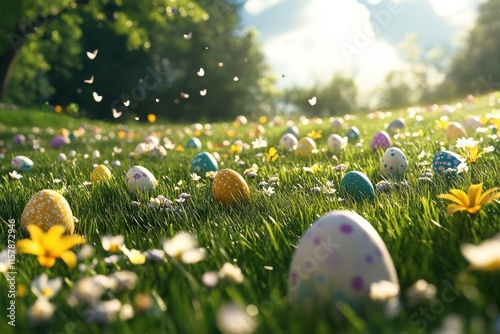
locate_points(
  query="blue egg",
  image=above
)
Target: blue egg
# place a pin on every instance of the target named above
(445, 160)
(358, 186)
(396, 125)
(353, 133)
(292, 129)
(203, 162)
(194, 143)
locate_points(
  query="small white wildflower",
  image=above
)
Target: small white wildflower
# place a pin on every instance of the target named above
(41, 311)
(462, 168)
(383, 290)
(269, 191)
(421, 292)
(183, 246)
(42, 287)
(233, 319)
(231, 272)
(194, 177)
(15, 175)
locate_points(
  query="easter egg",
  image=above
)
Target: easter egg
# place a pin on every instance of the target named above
(230, 187)
(141, 148)
(241, 120)
(445, 160)
(381, 140)
(472, 123)
(47, 208)
(194, 143)
(454, 131)
(337, 259)
(62, 157)
(259, 130)
(288, 142)
(393, 162)
(353, 133)
(357, 185)
(21, 163)
(19, 138)
(151, 139)
(139, 178)
(100, 173)
(59, 141)
(336, 143)
(203, 162)
(292, 129)
(305, 147)
(396, 125)
(337, 123)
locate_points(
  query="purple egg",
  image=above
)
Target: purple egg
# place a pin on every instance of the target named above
(19, 138)
(381, 140)
(59, 141)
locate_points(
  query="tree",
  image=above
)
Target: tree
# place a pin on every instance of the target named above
(476, 68)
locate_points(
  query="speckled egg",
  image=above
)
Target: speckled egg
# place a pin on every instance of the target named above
(21, 163)
(305, 147)
(444, 160)
(357, 186)
(194, 143)
(393, 162)
(396, 125)
(336, 143)
(47, 208)
(139, 178)
(353, 133)
(100, 173)
(203, 162)
(337, 259)
(455, 130)
(381, 140)
(19, 138)
(288, 142)
(59, 141)
(293, 130)
(230, 187)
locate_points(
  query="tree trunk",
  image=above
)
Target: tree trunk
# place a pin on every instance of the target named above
(7, 59)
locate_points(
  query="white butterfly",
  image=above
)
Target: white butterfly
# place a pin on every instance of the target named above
(92, 55)
(312, 100)
(203, 92)
(116, 113)
(201, 72)
(126, 103)
(97, 97)
(89, 81)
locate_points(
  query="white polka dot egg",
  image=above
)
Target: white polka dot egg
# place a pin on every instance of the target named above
(337, 259)
(139, 178)
(46, 208)
(230, 187)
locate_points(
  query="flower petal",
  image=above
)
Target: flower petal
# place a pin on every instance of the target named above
(65, 243)
(475, 191)
(488, 196)
(51, 238)
(46, 261)
(28, 246)
(69, 258)
(36, 233)
(453, 198)
(452, 208)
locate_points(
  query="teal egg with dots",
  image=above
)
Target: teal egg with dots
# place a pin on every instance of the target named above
(353, 133)
(393, 162)
(202, 163)
(445, 161)
(337, 259)
(357, 186)
(194, 143)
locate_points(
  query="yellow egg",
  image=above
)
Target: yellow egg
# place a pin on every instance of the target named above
(47, 208)
(305, 147)
(230, 187)
(454, 131)
(100, 173)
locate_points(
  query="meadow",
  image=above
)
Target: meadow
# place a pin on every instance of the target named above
(258, 236)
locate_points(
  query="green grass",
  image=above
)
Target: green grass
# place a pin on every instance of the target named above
(424, 243)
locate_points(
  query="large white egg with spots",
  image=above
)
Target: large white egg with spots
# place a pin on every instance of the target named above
(139, 178)
(337, 259)
(288, 142)
(393, 162)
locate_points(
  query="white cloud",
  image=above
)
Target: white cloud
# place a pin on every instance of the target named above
(316, 50)
(255, 7)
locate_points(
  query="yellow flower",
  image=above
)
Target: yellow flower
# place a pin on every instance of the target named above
(314, 134)
(272, 155)
(50, 245)
(236, 149)
(441, 124)
(151, 118)
(471, 202)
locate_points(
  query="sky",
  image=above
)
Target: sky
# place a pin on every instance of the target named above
(306, 42)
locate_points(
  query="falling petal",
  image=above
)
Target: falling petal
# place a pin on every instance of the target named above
(116, 114)
(203, 92)
(92, 55)
(89, 81)
(97, 97)
(312, 101)
(201, 72)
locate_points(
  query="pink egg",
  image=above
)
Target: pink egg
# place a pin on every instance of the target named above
(381, 140)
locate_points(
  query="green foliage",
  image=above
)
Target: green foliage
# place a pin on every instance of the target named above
(337, 97)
